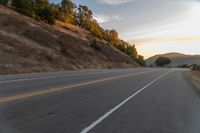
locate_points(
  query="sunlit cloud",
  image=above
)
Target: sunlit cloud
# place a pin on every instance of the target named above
(166, 40)
(180, 36)
(101, 18)
(104, 18)
(113, 2)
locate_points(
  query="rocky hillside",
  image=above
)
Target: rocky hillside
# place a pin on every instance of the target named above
(177, 59)
(30, 46)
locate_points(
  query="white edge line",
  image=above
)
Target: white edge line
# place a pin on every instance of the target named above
(100, 119)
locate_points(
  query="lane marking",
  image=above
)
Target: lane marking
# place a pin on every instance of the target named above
(53, 76)
(100, 119)
(47, 77)
(36, 93)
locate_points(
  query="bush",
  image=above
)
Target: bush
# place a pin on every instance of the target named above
(131, 51)
(4, 2)
(182, 66)
(46, 14)
(162, 61)
(195, 67)
(24, 6)
(121, 47)
(140, 60)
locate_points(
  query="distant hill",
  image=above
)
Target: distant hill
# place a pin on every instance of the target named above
(177, 59)
(27, 45)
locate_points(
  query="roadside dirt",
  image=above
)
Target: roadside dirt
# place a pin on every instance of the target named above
(194, 78)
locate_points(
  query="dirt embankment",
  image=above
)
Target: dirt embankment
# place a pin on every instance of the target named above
(194, 78)
(30, 46)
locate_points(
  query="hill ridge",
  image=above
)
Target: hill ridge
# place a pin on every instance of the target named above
(30, 46)
(177, 59)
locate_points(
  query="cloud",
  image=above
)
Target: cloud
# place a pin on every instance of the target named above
(165, 40)
(113, 2)
(104, 18)
(100, 18)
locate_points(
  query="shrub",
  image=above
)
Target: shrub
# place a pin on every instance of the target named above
(46, 14)
(24, 6)
(162, 61)
(195, 67)
(4, 2)
(140, 60)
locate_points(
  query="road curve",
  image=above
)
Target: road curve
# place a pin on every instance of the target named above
(99, 101)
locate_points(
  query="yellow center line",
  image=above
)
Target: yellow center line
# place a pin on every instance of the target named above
(36, 93)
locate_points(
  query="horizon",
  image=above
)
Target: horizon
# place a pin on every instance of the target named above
(71, 68)
(155, 27)
(173, 53)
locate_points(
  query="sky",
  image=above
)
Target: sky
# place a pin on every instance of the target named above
(154, 26)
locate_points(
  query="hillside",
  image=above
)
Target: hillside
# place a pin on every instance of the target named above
(177, 59)
(30, 46)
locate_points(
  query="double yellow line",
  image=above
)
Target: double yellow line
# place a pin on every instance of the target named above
(51, 90)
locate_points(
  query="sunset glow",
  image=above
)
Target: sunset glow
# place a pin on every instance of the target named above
(153, 26)
(183, 36)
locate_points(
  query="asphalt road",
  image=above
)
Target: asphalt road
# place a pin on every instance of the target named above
(99, 101)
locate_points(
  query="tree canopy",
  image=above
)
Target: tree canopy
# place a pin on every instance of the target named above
(3, 2)
(24, 6)
(162, 61)
(67, 11)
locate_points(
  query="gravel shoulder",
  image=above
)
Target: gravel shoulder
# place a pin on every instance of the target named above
(194, 79)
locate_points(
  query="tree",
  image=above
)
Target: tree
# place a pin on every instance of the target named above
(4, 2)
(41, 4)
(24, 6)
(85, 17)
(140, 60)
(195, 67)
(96, 30)
(67, 8)
(121, 47)
(57, 11)
(131, 51)
(44, 12)
(183, 66)
(162, 61)
(114, 38)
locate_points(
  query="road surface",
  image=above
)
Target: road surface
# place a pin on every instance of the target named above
(138, 100)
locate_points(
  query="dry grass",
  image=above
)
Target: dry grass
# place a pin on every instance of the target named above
(30, 46)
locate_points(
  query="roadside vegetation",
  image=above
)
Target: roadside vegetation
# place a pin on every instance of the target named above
(162, 61)
(78, 15)
(165, 62)
(193, 67)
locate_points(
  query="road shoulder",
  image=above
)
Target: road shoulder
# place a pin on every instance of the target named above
(194, 79)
